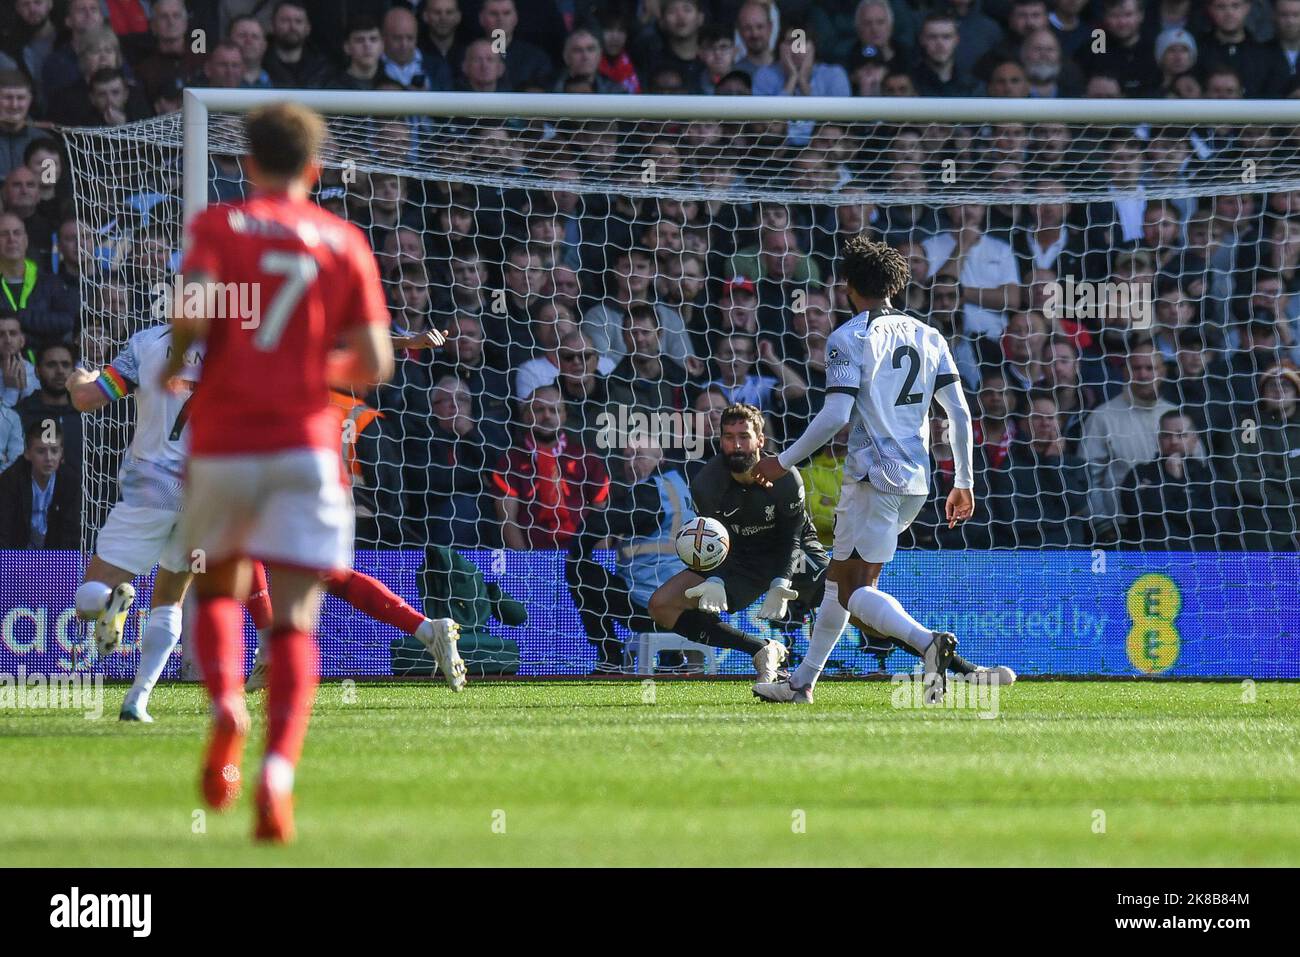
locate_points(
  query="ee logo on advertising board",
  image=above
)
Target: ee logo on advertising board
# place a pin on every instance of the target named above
(1153, 642)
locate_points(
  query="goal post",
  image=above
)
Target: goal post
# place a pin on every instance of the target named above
(1067, 248)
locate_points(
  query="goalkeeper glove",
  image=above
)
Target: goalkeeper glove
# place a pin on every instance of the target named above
(778, 594)
(710, 595)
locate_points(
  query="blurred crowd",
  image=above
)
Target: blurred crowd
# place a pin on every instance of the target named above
(1160, 413)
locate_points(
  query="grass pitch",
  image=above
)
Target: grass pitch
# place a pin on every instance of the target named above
(1068, 773)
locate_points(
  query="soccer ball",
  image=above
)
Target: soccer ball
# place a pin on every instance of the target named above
(703, 544)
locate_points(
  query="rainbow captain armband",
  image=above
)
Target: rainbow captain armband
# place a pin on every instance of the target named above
(113, 383)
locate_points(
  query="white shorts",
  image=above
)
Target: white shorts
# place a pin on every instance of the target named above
(135, 538)
(286, 508)
(869, 521)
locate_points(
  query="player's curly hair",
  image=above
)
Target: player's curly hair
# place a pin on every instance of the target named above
(874, 269)
(741, 412)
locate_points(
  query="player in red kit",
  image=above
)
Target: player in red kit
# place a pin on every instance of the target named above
(263, 480)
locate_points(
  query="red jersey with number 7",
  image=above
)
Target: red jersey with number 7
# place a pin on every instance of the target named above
(292, 278)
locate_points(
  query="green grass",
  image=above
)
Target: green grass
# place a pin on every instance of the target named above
(588, 774)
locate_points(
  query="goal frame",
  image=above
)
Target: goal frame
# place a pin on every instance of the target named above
(198, 103)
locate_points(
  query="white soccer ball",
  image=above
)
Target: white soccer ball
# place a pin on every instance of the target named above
(703, 544)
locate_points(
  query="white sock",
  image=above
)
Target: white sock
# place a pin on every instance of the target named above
(832, 619)
(277, 773)
(162, 631)
(92, 599)
(882, 612)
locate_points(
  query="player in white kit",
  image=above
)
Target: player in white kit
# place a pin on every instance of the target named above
(883, 367)
(141, 529)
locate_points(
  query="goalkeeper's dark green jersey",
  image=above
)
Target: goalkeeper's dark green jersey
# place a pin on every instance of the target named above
(769, 527)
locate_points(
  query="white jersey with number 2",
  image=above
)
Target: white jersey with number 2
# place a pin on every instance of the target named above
(891, 364)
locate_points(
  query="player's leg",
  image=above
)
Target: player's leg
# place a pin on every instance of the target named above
(162, 631)
(129, 544)
(259, 610)
(372, 597)
(673, 610)
(104, 598)
(291, 687)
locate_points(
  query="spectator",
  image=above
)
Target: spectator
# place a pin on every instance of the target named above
(1177, 502)
(1070, 26)
(16, 130)
(1023, 18)
(224, 66)
(1126, 56)
(1263, 71)
(1041, 498)
(1268, 464)
(572, 351)
(59, 72)
(631, 283)
(247, 34)
(33, 36)
(170, 55)
(986, 266)
(113, 101)
(363, 45)
(582, 63)
(482, 70)
(616, 63)
(1024, 350)
(40, 495)
(754, 26)
(44, 308)
(796, 72)
(17, 374)
(1049, 72)
(646, 381)
(51, 399)
(291, 61)
(979, 33)
(466, 358)
(675, 45)
(1123, 433)
(875, 37)
(442, 50)
(996, 429)
(736, 363)
(1286, 40)
(717, 53)
(448, 474)
(938, 73)
(403, 61)
(1175, 56)
(21, 196)
(525, 64)
(548, 481)
(11, 437)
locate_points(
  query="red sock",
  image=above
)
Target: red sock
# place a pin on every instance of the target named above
(259, 598)
(291, 686)
(372, 597)
(219, 641)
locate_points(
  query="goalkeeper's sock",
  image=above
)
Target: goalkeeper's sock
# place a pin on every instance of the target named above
(219, 644)
(832, 618)
(372, 597)
(259, 599)
(880, 611)
(709, 629)
(291, 686)
(161, 633)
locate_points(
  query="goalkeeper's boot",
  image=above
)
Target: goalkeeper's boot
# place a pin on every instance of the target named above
(937, 657)
(261, 665)
(783, 692)
(111, 622)
(221, 774)
(768, 661)
(997, 675)
(439, 635)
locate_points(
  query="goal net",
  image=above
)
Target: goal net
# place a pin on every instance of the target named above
(1119, 292)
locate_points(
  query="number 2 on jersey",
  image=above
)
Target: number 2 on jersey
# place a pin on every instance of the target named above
(905, 395)
(298, 270)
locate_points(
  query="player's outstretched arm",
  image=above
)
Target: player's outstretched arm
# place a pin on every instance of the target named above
(86, 392)
(834, 415)
(365, 359)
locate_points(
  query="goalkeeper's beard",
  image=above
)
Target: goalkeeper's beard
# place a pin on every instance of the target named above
(741, 462)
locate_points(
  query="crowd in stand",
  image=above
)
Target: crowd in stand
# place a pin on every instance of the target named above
(565, 306)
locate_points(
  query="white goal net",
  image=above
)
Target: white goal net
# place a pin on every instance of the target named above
(1121, 296)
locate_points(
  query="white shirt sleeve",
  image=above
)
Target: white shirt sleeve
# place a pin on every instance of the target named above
(948, 393)
(834, 415)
